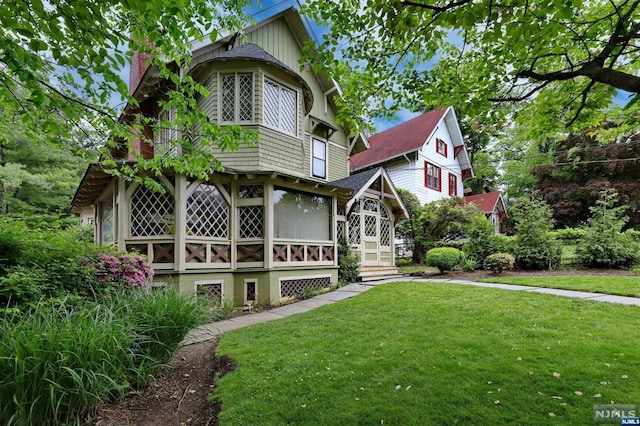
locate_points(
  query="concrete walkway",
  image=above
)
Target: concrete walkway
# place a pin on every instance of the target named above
(210, 331)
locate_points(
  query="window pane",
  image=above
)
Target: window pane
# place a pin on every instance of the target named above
(271, 95)
(106, 220)
(319, 159)
(288, 111)
(152, 213)
(301, 216)
(228, 97)
(246, 97)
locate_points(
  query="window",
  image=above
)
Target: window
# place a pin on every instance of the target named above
(453, 185)
(105, 213)
(167, 133)
(236, 98)
(152, 213)
(301, 215)
(207, 212)
(319, 158)
(432, 176)
(441, 147)
(280, 107)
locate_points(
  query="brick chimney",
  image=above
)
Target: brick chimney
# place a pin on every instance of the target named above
(139, 64)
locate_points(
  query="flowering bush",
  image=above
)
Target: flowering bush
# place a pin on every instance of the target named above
(123, 271)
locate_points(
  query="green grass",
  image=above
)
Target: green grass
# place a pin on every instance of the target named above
(413, 268)
(434, 354)
(618, 285)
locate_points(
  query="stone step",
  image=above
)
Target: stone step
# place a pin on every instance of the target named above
(381, 277)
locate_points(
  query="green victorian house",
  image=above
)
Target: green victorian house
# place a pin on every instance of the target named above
(268, 227)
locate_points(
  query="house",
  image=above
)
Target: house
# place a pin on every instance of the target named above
(492, 205)
(269, 225)
(425, 155)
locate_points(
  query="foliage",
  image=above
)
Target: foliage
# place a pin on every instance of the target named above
(481, 240)
(40, 179)
(335, 373)
(444, 258)
(568, 234)
(563, 61)
(348, 263)
(123, 270)
(534, 247)
(499, 262)
(222, 309)
(61, 72)
(605, 245)
(636, 270)
(582, 165)
(57, 363)
(441, 222)
(469, 265)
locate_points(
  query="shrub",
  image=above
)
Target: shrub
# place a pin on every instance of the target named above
(56, 363)
(534, 246)
(348, 263)
(568, 234)
(469, 265)
(604, 244)
(499, 262)
(122, 271)
(445, 258)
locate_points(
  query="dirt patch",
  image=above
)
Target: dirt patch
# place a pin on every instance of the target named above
(178, 396)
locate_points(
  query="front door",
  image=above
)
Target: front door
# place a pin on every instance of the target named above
(370, 233)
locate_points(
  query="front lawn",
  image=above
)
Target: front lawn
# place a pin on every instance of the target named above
(432, 354)
(619, 285)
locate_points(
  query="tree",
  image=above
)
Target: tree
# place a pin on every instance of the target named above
(61, 62)
(40, 179)
(436, 223)
(581, 167)
(534, 246)
(563, 61)
(604, 244)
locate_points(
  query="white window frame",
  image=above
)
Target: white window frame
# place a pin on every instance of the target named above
(236, 97)
(164, 141)
(281, 87)
(313, 157)
(247, 281)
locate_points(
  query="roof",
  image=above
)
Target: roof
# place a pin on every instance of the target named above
(358, 183)
(396, 141)
(487, 202)
(251, 51)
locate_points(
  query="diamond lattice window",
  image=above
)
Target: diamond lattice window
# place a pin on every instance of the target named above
(251, 191)
(251, 221)
(246, 97)
(340, 230)
(385, 232)
(370, 224)
(371, 205)
(236, 97)
(228, 98)
(207, 212)
(152, 213)
(354, 228)
(280, 107)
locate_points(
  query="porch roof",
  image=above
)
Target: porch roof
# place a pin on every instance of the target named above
(96, 179)
(358, 183)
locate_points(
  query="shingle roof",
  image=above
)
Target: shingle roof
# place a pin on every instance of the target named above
(396, 141)
(356, 181)
(486, 203)
(252, 51)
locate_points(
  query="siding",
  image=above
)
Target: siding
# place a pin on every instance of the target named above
(279, 152)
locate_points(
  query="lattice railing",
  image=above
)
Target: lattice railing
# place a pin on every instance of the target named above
(290, 288)
(285, 252)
